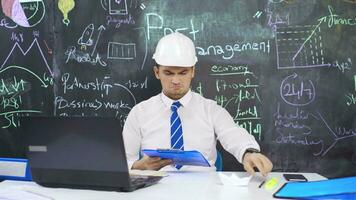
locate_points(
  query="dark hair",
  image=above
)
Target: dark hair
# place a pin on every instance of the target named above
(156, 64)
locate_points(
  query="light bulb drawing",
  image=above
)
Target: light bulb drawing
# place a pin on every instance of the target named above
(65, 6)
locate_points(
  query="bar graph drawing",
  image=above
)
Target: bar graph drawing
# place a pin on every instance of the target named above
(121, 51)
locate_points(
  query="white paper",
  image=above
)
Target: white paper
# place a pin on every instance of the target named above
(234, 180)
(18, 194)
(12, 168)
(147, 173)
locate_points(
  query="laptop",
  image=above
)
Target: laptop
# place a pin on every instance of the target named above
(79, 152)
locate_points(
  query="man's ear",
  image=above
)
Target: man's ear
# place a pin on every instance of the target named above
(156, 71)
(193, 72)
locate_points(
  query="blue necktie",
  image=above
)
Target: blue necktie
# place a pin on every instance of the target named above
(176, 129)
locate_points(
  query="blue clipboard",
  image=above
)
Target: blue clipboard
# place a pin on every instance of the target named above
(15, 169)
(338, 188)
(179, 157)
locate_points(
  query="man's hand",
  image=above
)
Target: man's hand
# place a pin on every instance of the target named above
(151, 163)
(258, 160)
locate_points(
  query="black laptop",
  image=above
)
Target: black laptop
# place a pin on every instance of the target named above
(79, 152)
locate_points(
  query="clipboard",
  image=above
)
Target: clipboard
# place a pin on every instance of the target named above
(331, 188)
(15, 169)
(179, 157)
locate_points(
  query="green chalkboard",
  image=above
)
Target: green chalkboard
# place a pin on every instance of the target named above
(282, 68)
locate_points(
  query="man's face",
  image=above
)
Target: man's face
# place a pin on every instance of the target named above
(175, 81)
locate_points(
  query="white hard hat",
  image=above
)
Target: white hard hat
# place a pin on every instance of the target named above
(175, 49)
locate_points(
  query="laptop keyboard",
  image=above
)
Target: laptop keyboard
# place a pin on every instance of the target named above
(138, 181)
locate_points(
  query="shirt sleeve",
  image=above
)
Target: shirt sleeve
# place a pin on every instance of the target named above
(132, 137)
(232, 137)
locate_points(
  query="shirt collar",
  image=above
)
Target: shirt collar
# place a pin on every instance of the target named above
(184, 100)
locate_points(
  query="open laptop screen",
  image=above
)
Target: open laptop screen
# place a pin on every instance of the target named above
(75, 150)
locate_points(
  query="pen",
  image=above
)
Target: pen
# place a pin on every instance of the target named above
(261, 184)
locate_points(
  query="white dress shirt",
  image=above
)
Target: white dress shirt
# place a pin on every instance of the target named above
(203, 122)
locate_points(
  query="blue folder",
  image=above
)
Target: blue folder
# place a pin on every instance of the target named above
(179, 157)
(338, 188)
(22, 172)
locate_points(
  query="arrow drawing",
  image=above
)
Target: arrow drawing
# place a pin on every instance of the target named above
(101, 28)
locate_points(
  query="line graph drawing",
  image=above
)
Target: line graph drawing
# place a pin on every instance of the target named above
(24, 52)
(299, 47)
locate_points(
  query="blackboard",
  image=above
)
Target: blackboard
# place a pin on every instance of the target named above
(282, 68)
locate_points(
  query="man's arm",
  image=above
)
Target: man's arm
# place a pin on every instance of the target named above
(132, 139)
(257, 160)
(151, 163)
(237, 140)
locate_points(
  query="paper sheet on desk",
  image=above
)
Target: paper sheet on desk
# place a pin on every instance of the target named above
(18, 194)
(234, 180)
(147, 173)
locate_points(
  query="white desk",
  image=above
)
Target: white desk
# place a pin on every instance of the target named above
(179, 185)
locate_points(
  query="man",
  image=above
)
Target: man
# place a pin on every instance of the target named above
(181, 119)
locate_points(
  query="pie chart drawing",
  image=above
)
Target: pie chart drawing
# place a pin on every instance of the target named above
(25, 13)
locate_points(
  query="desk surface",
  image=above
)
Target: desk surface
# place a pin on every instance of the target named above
(178, 185)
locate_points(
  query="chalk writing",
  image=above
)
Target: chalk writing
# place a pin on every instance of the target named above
(155, 21)
(223, 70)
(293, 120)
(297, 92)
(252, 128)
(96, 104)
(238, 93)
(275, 19)
(73, 83)
(228, 51)
(339, 133)
(246, 113)
(117, 22)
(6, 24)
(350, 99)
(17, 37)
(241, 95)
(275, 1)
(137, 84)
(11, 86)
(334, 19)
(11, 117)
(103, 90)
(289, 138)
(222, 85)
(292, 128)
(43, 81)
(81, 57)
(342, 66)
(11, 90)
